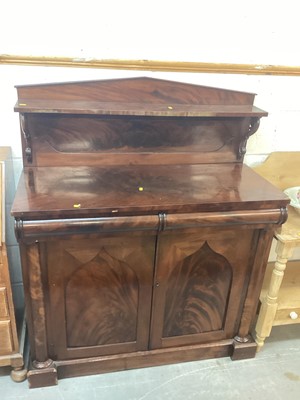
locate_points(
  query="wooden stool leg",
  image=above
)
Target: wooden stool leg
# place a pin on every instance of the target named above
(18, 374)
(269, 305)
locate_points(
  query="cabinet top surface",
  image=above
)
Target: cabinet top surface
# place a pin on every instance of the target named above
(70, 192)
(135, 96)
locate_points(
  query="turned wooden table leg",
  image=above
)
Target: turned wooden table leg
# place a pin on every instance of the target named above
(284, 251)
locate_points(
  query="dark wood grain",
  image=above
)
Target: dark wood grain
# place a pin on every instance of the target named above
(101, 302)
(73, 124)
(116, 190)
(197, 293)
(143, 237)
(100, 291)
(90, 140)
(141, 90)
(81, 139)
(157, 110)
(199, 276)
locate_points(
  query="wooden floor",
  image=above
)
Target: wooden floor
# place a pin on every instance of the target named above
(273, 375)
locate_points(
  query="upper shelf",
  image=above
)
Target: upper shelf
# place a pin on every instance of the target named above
(134, 121)
(135, 96)
(158, 110)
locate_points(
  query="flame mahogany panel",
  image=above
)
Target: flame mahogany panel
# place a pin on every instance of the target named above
(199, 277)
(197, 293)
(77, 140)
(101, 292)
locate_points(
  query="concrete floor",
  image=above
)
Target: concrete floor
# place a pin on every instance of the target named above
(273, 375)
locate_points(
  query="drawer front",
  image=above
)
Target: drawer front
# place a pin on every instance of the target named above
(287, 316)
(6, 340)
(3, 303)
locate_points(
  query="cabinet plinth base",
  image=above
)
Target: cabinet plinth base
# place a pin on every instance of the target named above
(243, 350)
(42, 377)
(97, 365)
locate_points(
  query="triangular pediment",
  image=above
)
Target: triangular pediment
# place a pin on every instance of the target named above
(132, 96)
(144, 89)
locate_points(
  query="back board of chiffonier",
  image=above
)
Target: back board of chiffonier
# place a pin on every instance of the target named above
(134, 121)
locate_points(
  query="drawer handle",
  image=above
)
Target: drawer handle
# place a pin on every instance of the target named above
(293, 315)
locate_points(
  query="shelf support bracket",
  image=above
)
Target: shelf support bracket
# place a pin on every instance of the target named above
(26, 138)
(252, 128)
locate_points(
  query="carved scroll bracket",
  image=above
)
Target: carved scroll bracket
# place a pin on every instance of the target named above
(27, 138)
(252, 128)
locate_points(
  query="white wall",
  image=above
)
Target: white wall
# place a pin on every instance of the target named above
(234, 31)
(278, 95)
(259, 32)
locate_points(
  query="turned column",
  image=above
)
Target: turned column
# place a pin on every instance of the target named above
(40, 352)
(284, 251)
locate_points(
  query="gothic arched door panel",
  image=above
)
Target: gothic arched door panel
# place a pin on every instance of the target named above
(200, 285)
(100, 294)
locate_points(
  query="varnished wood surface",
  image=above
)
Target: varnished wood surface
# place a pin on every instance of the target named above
(135, 96)
(139, 231)
(198, 277)
(113, 191)
(101, 108)
(197, 293)
(120, 362)
(76, 140)
(133, 121)
(142, 89)
(37, 229)
(100, 294)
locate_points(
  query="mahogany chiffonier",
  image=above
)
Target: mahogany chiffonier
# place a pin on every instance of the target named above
(144, 238)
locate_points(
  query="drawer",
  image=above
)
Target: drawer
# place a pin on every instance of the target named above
(6, 340)
(3, 303)
(283, 316)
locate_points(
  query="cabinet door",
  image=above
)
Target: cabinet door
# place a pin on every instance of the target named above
(100, 294)
(200, 285)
